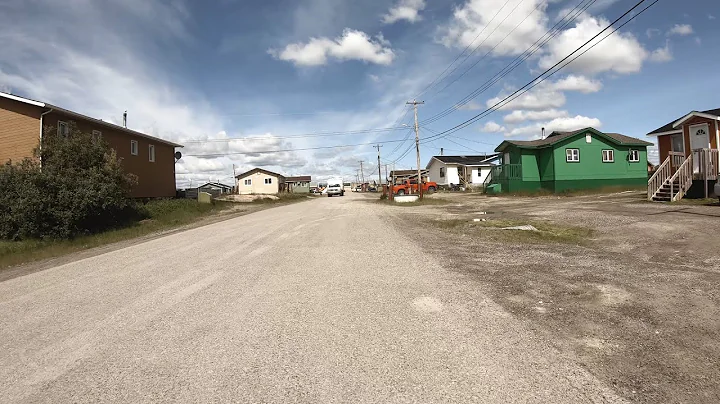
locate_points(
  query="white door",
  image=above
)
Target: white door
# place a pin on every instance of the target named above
(699, 139)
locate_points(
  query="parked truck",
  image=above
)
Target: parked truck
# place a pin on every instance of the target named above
(408, 187)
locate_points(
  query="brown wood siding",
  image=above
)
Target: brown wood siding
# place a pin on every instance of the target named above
(19, 130)
(664, 146)
(155, 179)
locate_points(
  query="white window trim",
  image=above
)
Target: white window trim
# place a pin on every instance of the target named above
(151, 153)
(569, 157)
(135, 148)
(67, 129)
(630, 154)
(610, 153)
(248, 182)
(268, 181)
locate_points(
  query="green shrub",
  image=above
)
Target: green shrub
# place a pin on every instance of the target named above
(74, 186)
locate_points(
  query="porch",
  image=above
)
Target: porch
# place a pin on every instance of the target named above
(678, 173)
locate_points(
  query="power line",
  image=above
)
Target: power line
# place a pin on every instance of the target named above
(300, 136)
(429, 86)
(536, 46)
(288, 150)
(550, 71)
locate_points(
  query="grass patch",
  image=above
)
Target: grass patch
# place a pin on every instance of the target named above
(493, 229)
(161, 215)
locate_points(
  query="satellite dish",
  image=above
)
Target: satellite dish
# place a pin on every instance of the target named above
(178, 155)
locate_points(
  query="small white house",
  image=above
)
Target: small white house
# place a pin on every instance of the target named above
(259, 181)
(461, 170)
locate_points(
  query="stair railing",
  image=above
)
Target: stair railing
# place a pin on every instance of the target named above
(658, 179)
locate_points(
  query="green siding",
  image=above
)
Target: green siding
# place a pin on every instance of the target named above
(547, 165)
(529, 161)
(591, 166)
(547, 168)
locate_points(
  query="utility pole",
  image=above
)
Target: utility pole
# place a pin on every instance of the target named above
(417, 145)
(379, 173)
(362, 174)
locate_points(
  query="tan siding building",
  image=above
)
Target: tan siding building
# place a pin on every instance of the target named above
(151, 159)
(259, 181)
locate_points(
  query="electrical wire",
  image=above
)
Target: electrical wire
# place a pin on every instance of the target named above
(550, 71)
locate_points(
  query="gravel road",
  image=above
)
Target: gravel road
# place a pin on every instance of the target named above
(284, 305)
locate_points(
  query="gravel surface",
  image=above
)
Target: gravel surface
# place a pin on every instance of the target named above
(285, 305)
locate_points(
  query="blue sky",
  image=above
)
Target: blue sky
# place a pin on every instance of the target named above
(232, 78)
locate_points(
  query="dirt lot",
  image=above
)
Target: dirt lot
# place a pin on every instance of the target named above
(629, 288)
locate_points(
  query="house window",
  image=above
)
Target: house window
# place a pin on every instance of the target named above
(588, 138)
(442, 172)
(268, 180)
(151, 153)
(678, 143)
(572, 155)
(134, 147)
(63, 129)
(608, 156)
(248, 181)
(634, 156)
(96, 135)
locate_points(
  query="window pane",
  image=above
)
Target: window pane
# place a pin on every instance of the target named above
(677, 143)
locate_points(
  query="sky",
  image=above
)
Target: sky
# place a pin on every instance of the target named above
(307, 87)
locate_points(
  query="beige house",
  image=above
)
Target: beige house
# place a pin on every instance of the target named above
(259, 181)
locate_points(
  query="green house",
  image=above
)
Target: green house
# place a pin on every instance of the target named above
(582, 159)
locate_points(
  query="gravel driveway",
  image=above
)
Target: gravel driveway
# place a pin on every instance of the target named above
(292, 304)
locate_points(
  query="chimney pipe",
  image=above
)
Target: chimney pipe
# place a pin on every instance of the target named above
(125, 119)
(543, 134)
(441, 151)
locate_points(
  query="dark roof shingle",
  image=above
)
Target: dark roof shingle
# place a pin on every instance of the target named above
(669, 126)
(299, 178)
(468, 160)
(556, 137)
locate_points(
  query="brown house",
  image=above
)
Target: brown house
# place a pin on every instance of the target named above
(689, 158)
(151, 159)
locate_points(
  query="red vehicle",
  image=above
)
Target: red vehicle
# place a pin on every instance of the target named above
(408, 187)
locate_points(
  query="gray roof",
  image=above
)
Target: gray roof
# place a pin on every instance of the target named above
(262, 170)
(299, 178)
(669, 126)
(475, 160)
(556, 137)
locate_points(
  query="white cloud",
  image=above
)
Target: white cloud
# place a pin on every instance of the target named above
(521, 116)
(558, 124)
(470, 106)
(536, 99)
(474, 19)
(352, 45)
(698, 40)
(661, 55)
(492, 127)
(374, 77)
(651, 32)
(577, 83)
(711, 17)
(619, 53)
(680, 29)
(405, 10)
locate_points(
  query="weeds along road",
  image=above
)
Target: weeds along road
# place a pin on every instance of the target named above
(291, 304)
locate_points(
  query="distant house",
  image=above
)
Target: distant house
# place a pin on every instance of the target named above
(298, 185)
(461, 170)
(689, 156)
(583, 159)
(151, 159)
(259, 181)
(215, 188)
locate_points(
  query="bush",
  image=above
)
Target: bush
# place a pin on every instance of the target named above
(79, 188)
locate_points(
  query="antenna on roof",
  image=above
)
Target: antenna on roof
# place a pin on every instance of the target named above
(542, 136)
(125, 119)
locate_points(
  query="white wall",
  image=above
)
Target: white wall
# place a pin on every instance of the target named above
(480, 174)
(258, 185)
(434, 172)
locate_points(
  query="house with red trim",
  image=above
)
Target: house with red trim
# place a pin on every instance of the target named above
(688, 148)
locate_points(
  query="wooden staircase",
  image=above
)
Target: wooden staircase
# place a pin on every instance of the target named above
(669, 184)
(668, 191)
